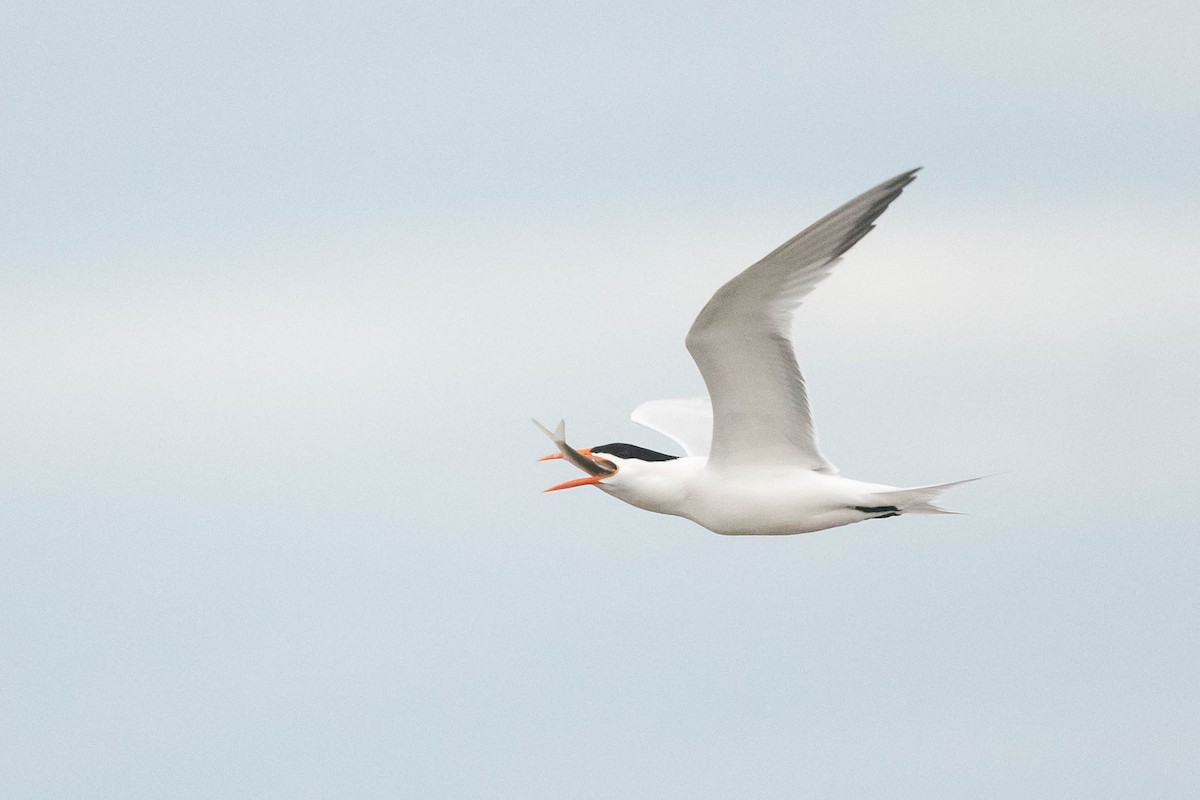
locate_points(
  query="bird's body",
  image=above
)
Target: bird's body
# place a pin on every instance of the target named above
(752, 465)
(764, 500)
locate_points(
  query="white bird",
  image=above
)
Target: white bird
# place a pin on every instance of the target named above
(752, 463)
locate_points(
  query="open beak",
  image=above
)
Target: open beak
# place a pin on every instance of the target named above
(597, 468)
(590, 480)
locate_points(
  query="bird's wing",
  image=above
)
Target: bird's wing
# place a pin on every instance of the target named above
(741, 341)
(688, 422)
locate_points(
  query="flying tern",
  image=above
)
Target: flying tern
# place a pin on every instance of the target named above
(751, 463)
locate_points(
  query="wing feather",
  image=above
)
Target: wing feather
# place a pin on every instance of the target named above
(688, 422)
(741, 340)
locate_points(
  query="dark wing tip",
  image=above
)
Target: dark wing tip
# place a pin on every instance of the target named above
(878, 199)
(840, 229)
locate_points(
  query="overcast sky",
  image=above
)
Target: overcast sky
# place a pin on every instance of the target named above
(283, 284)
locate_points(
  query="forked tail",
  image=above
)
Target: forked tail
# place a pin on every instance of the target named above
(919, 499)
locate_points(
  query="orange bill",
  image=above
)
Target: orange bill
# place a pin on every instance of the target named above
(590, 480)
(587, 451)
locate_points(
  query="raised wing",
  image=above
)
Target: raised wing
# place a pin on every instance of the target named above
(688, 422)
(741, 341)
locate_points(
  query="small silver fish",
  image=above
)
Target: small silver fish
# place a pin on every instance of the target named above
(588, 465)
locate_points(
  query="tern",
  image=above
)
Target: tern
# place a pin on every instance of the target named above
(752, 465)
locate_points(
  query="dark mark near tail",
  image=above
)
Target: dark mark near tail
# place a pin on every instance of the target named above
(894, 512)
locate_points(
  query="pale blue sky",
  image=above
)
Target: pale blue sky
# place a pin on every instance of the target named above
(283, 283)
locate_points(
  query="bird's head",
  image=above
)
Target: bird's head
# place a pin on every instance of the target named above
(611, 461)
